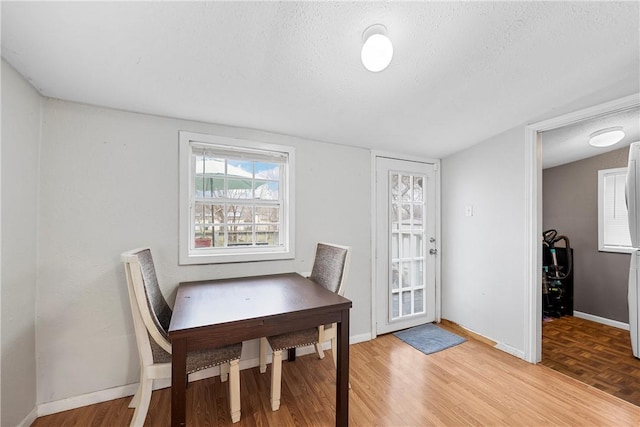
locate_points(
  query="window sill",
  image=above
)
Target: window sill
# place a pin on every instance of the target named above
(227, 258)
(617, 249)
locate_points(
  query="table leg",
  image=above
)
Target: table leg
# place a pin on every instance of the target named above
(342, 372)
(178, 382)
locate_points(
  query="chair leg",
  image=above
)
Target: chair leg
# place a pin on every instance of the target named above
(234, 389)
(144, 398)
(224, 372)
(276, 378)
(319, 350)
(263, 355)
(135, 400)
(334, 351)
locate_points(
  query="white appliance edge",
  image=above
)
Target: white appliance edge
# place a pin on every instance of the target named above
(633, 204)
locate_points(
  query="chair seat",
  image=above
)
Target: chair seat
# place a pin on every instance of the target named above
(198, 360)
(207, 358)
(293, 339)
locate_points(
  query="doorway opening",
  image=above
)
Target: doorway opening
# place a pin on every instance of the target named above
(533, 212)
(571, 341)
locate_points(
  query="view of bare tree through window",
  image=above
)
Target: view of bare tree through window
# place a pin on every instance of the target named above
(237, 202)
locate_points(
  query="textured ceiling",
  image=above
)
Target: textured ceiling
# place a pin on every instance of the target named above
(570, 143)
(461, 72)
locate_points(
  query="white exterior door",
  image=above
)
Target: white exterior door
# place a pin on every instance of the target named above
(406, 247)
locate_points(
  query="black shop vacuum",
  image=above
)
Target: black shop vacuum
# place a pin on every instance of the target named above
(557, 275)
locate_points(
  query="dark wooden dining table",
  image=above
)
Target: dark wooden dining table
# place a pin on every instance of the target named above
(213, 313)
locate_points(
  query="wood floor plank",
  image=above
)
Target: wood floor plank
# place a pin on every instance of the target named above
(392, 384)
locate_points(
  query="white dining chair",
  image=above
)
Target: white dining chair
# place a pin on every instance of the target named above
(151, 318)
(330, 268)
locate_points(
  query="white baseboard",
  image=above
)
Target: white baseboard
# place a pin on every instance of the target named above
(130, 389)
(602, 320)
(500, 346)
(30, 418)
(355, 339)
(511, 350)
(125, 390)
(87, 399)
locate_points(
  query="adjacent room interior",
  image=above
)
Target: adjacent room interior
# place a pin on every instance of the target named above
(585, 314)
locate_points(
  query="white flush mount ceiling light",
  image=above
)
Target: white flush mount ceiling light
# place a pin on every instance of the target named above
(377, 49)
(606, 137)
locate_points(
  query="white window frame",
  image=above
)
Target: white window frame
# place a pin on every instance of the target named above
(188, 255)
(602, 190)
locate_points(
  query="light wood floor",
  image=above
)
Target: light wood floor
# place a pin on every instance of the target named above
(596, 354)
(392, 385)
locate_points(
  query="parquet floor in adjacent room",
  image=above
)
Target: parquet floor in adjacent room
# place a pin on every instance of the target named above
(596, 354)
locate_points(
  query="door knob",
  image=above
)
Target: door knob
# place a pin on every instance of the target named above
(433, 251)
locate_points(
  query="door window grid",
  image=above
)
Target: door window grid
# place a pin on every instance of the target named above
(407, 243)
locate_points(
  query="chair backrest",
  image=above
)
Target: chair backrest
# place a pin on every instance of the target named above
(150, 310)
(331, 266)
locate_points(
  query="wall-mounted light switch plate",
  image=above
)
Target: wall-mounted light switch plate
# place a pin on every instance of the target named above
(468, 210)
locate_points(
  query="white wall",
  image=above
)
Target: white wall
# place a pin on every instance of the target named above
(109, 183)
(21, 108)
(483, 264)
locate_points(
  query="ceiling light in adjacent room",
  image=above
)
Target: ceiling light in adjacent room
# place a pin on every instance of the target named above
(606, 137)
(377, 49)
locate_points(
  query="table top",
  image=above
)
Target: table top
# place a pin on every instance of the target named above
(211, 303)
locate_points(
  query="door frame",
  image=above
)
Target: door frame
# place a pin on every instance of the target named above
(533, 214)
(374, 232)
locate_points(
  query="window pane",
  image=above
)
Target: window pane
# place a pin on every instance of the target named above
(394, 187)
(418, 301)
(394, 217)
(405, 216)
(213, 187)
(405, 187)
(266, 190)
(267, 215)
(208, 176)
(395, 275)
(240, 168)
(218, 236)
(217, 213)
(616, 216)
(199, 186)
(267, 234)
(269, 171)
(417, 215)
(239, 189)
(395, 306)
(240, 234)
(198, 211)
(394, 246)
(406, 303)
(199, 234)
(406, 245)
(237, 214)
(418, 251)
(418, 278)
(406, 275)
(417, 188)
